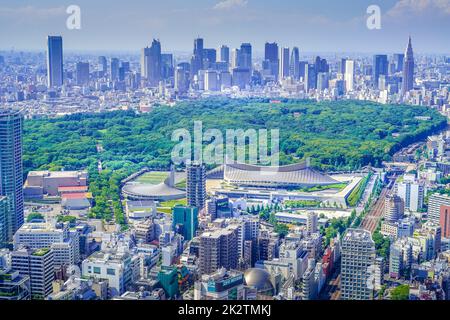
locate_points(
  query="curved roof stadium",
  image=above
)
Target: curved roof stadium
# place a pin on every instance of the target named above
(295, 175)
(158, 192)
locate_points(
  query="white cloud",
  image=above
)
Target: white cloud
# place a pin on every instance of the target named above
(412, 8)
(230, 4)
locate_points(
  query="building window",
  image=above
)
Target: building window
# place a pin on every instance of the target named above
(111, 272)
(97, 270)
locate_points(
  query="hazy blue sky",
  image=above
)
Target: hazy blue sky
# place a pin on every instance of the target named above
(312, 25)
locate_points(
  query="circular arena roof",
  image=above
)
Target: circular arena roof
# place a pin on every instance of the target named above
(291, 175)
(158, 192)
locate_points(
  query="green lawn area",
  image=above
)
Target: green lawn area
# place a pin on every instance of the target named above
(337, 186)
(166, 207)
(173, 203)
(154, 177)
(164, 210)
(41, 252)
(358, 191)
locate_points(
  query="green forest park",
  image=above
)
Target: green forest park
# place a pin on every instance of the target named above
(343, 135)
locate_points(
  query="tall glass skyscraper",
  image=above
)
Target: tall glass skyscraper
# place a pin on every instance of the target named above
(151, 63)
(224, 54)
(185, 221)
(284, 63)
(246, 56)
(54, 61)
(380, 67)
(271, 56)
(408, 69)
(11, 171)
(197, 57)
(294, 66)
(3, 225)
(115, 64)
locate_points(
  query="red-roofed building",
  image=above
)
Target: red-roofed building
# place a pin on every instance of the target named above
(72, 189)
(83, 195)
(76, 201)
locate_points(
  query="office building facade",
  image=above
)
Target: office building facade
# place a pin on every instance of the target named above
(39, 266)
(55, 71)
(358, 260)
(185, 221)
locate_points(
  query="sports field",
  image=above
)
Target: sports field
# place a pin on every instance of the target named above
(154, 177)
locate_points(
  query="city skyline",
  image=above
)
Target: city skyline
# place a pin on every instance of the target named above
(255, 164)
(313, 27)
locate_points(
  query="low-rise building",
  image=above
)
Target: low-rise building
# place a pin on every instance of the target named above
(113, 266)
(59, 237)
(221, 285)
(40, 183)
(38, 265)
(14, 286)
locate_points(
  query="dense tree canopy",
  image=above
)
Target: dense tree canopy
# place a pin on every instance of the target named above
(334, 135)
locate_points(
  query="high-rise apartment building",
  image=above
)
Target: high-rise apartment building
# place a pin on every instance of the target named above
(393, 208)
(435, 201)
(445, 221)
(219, 248)
(11, 170)
(196, 185)
(55, 72)
(312, 222)
(400, 257)
(357, 265)
(412, 193)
